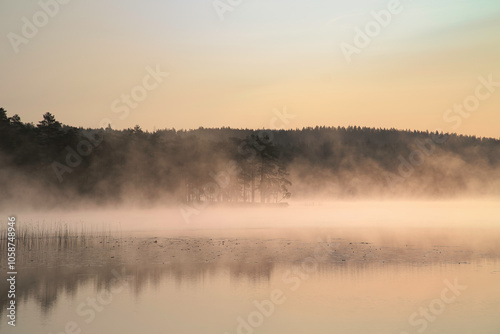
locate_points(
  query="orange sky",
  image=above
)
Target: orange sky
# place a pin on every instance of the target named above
(233, 67)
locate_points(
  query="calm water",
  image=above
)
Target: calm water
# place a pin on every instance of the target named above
(331, 300)
(301, 280)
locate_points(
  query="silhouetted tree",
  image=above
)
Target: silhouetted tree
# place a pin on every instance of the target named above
(237, 165)
(49, 122)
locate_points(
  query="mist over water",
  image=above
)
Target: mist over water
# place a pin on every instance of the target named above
(249, 167)
(243, 231)
(349, 266)
(471, 213)
(56, 166)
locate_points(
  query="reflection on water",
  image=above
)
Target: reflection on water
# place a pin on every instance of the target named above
(326, 281)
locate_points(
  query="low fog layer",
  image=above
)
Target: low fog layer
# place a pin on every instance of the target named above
(359, 215)
(51, 166)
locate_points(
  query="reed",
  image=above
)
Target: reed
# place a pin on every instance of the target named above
(41, 234)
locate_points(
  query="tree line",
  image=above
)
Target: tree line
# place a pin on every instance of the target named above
(52, 164)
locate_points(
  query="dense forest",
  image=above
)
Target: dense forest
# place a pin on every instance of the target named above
(55, 165)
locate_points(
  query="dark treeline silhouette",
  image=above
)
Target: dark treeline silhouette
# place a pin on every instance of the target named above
(50, 164)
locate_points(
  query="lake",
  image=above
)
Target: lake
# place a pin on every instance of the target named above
(329, 274)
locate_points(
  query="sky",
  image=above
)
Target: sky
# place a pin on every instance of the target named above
(409, 64)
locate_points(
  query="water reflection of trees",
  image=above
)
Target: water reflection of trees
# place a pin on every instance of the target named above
(49, 270)
(45, 286)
